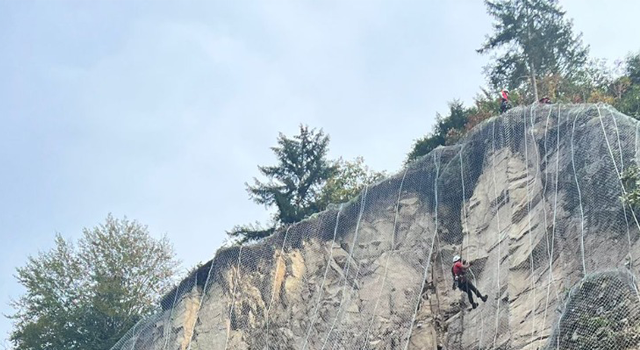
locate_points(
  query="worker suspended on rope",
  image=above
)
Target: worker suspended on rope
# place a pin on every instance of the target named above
(504, 101)
(460, 281)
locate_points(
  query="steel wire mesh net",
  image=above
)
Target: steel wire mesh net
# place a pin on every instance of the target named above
(532, 198)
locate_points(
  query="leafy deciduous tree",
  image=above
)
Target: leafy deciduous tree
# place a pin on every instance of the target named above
(87, 296)
(350, 179)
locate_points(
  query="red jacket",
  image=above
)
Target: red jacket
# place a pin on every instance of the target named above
(459, 269)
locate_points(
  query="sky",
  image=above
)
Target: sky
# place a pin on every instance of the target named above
(161, 111)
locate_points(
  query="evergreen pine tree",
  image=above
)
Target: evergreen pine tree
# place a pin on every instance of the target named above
(532, 38)
(294, 185)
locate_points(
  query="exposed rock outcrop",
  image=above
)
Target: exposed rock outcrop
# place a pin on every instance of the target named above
(531, 197)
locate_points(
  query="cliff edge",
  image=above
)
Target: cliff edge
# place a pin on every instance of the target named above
(531, 197)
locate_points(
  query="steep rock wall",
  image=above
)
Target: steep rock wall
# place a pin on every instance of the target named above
(531, 197)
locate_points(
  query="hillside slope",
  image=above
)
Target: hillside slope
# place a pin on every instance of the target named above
(531, 197)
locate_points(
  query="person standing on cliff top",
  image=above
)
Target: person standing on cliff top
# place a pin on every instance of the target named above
(504, 101)
(459, 271)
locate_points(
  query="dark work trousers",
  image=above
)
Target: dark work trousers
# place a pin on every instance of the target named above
(504, 106)
(467, 286)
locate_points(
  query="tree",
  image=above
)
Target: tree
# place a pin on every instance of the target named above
(350, 179)
(533, 39)
(627, 87)
(485, 107)
(87, 296)
(294, 186)
(633, 68)
(446, 127)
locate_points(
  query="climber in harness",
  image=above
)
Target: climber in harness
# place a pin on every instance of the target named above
(459, 271)
(504, 101)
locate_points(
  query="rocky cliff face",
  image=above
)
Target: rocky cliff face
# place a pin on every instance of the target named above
(531, 197)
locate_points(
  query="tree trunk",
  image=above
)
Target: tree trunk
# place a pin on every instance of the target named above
(534, 83)
(532, 68)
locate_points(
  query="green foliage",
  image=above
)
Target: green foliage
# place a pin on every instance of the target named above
(631, 183)
(446, 128)
(594, 82)
(350, 179)
(532, 39)
(633, 68)
(587, 84)
(627, 88)
(251, 232)
(599, 314)
(598, 82)
(88, 296)
(423, 146)
(629, 103)
(294, 186)
(303, 183)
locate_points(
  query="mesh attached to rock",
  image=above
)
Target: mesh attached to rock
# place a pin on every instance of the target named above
(532, 198)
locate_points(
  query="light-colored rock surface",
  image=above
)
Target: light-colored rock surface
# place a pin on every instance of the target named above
(507, 198)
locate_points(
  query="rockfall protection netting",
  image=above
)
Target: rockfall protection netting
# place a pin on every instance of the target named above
(532, 198)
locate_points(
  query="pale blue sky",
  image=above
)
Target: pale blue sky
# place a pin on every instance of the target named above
(161, 110)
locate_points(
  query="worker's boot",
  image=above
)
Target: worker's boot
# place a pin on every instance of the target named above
(484, 298)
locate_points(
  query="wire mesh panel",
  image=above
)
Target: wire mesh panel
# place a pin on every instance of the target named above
(601, 312)
(531, 198)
